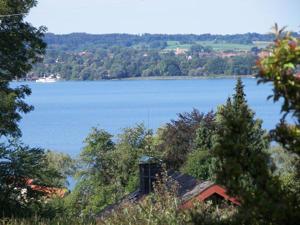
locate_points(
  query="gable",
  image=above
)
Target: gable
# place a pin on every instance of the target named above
(208, 193)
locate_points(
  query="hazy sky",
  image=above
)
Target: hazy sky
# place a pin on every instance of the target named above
(165, 16)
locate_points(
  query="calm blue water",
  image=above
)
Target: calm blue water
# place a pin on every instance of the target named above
(65, 111)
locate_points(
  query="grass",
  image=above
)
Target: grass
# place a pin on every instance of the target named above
(219, 46)
(172, 45)
(223, 46)
(262, 44)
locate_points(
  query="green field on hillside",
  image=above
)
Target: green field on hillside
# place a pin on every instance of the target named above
(218, 46)
(172, 45)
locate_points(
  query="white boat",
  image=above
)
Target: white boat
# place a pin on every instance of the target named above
(50, 79)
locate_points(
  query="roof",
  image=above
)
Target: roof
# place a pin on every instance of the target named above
(48, 191)
(189, 188)
(188, 184)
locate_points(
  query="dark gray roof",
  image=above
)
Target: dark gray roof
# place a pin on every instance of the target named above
(188, 187)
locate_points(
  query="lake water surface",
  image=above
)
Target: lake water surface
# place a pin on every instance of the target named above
(66, 111)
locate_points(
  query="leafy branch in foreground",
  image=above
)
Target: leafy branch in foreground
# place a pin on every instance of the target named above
(282, 69)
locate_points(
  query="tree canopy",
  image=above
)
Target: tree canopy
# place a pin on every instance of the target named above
(21, 45)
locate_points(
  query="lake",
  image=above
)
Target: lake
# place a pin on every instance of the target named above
(65, 112)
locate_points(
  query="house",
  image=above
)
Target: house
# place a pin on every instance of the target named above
(189, 190)
(180, 51)
(47, 191)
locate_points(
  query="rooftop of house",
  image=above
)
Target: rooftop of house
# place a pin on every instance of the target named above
(48, 191)
(188, 188)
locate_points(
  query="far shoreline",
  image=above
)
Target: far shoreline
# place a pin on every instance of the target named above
(212, 77)
(187, 77)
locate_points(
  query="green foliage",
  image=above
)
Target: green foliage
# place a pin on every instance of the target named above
(163, 207)
(11, 105)
(239, 145)
(285, 162)
(108, 170)
(85, 57)
(64, 164)
(93, 191)
(216, 65)
(205, 132)
(242, 164)
(282, 69)
(176, 139)
(200, 164)
(21, 46)
(18, 164)
(159, 208)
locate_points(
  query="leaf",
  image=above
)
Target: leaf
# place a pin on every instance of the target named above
(289, 66)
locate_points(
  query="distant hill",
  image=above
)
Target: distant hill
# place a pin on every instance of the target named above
(130, 40)
(81, 56)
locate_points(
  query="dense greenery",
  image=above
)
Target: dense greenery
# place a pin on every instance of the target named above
(228, 146)
(282, 69)
(75, 40)
(81, 56)
(114, 56)
(176, 139)
(123, 62)
(21, 45)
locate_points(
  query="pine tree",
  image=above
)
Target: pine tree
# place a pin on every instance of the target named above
(239, 142)
(242, 164)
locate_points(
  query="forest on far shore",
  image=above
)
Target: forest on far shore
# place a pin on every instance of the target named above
(81, 56)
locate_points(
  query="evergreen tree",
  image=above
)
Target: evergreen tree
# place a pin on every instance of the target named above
(242, 164)
(200, 162)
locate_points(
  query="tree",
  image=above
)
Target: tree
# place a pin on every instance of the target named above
(242, 164)
(18, 164)
(206, 131)
(216, 65)
(200, 162)
(21, 46)
(64, 164)
(176, 139)
(281, 68)
(95, 175)
(107, 170)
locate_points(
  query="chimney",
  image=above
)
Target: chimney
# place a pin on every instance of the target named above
(149, 167)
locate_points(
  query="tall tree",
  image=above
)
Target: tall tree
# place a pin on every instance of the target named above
(242, 164)
(107, 170)
(21, 46)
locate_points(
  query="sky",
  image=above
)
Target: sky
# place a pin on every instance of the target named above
(165, 16)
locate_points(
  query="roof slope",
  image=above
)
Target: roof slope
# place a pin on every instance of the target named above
(188, 188)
